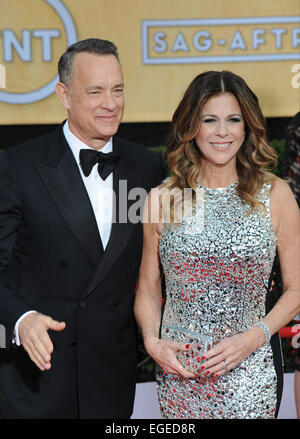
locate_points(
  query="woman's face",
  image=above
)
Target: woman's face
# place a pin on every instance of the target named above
(222, 130)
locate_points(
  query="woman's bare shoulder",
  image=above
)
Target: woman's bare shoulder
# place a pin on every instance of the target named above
(281, 192)
(284, 208)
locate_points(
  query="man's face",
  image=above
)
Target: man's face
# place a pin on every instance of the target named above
(95, 98)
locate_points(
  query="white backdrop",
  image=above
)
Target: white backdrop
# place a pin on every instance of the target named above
(146, 405)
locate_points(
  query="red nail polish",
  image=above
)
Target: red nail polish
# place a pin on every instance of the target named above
(202, 367)
(207, 372)
(187, 346)
(203, 358)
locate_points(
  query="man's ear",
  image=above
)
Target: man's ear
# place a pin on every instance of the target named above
(63, 94)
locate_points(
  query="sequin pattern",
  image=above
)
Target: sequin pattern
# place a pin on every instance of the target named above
(216, 283)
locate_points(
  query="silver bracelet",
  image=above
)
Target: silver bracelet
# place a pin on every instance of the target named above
(266, 330)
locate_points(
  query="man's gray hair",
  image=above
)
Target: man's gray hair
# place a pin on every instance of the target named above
(91, 45)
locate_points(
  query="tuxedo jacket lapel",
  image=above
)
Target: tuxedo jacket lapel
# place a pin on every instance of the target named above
(62, 177)
(124, 179)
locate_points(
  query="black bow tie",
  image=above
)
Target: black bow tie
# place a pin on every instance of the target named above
(106, 162)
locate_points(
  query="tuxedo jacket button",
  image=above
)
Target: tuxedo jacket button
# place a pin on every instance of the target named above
(82, 304)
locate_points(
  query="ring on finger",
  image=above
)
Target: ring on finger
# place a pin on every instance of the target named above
(226, 364)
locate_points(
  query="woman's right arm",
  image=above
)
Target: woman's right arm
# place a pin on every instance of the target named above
(148, 300)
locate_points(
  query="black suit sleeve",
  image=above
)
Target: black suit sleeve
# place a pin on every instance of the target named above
(162, 172)
(12, 305)
(163, 169)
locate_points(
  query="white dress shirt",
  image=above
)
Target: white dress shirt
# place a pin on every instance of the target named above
(100, 193)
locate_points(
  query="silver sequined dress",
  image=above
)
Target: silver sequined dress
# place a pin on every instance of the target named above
(217, 264)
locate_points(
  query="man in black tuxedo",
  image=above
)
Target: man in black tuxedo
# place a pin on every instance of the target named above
(70, 253)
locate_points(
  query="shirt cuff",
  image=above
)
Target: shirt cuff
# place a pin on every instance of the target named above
(16, 339)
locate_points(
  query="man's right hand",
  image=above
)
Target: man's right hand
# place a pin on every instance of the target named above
(34, 337)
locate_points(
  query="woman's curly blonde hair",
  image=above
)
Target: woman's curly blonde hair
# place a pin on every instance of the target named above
(255, 156)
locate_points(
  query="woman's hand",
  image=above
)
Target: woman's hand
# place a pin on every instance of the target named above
(163, 353)
(230, 352)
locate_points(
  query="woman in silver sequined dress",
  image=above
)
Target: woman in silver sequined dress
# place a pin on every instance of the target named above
(213, 335)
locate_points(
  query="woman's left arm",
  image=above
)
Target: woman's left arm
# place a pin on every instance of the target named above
(285, 217)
